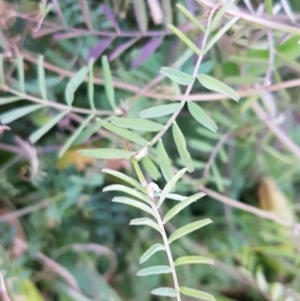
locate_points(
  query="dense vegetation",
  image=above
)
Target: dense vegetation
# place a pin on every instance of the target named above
(105, 106)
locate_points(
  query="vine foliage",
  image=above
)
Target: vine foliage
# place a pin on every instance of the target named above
(149, 158)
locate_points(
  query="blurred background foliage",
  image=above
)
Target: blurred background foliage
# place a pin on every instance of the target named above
(62, 238)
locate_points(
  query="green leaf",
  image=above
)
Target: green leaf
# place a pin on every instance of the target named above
(108, 82)
(201, 116)
(151, 168)
(154, 270)
(164, 161)
(217, 177)
(39, 133)
(73, 137)
(123, 132)
(9, 99)
(145, 221)
(196, 294)
(88, 132)
(128, 190)
(123, 177)
(200, 146)
(193, 260)
(21, 77)
(171, 183)
(74, 84)
(213, 84)
(168, 11)
(269, 7)
(141, 15)
(247, 60)
(106, 153)
(15, 114)
(138, 124)
(190, 17)
(91, 84)
(134, 203)
(215, 21)
(188, 229)
(185, 40)
(2, 77)
(181, 147)
(207, 134)
(219, 35)
(177, 76)
(165, 292)
(288, 10)
(151, 251)
(180, 206)
(41, 76)
(159, 111)
(176, 197)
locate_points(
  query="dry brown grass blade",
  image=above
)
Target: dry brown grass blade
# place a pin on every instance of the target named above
(247, 208)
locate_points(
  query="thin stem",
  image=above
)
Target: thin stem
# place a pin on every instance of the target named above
(258, 21)
(189, 87)
(68, 33)
(53, 104)
(167, 246)
(3, 292)
(268, 77)
(247, 208)
(282, 137)
(214, 154)
(160, 223)
(171, 97)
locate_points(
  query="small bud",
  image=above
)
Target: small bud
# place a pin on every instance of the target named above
(152, 190)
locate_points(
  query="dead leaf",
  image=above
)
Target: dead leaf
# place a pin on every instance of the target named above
(273, 200)
(72, 157)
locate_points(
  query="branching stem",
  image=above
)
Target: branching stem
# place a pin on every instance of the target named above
(190, 86)
(167, 246)
(53, 104)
